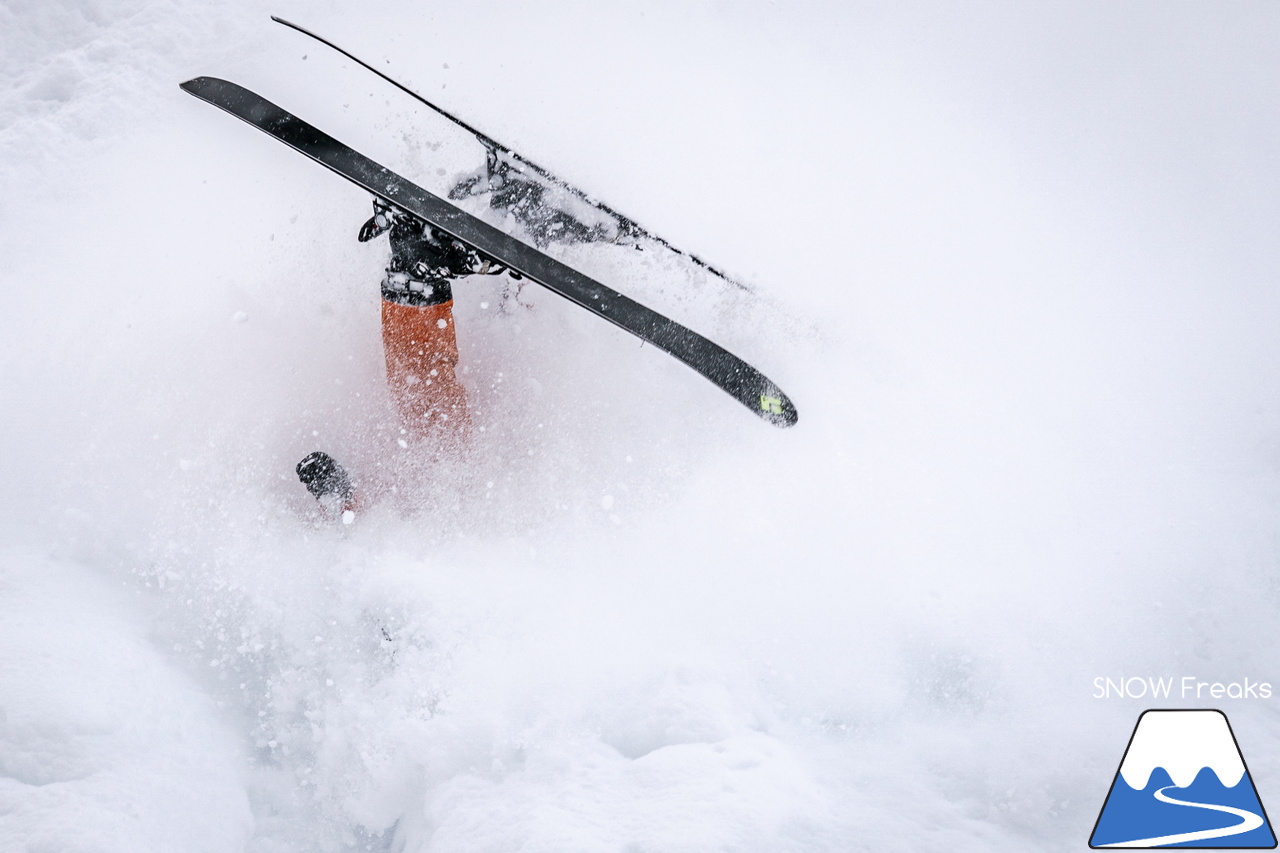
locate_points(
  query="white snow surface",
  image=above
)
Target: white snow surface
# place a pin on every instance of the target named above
(1015, 263)
(1183, 743)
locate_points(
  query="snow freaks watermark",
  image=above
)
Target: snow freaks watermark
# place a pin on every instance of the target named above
(1182, 783)
(1172, 687)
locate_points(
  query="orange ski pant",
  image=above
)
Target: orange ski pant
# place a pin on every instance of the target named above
(421, 349)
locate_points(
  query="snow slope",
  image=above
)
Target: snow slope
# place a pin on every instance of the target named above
(1015, 265)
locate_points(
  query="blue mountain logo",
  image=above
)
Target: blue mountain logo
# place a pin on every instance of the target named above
(1183, 783)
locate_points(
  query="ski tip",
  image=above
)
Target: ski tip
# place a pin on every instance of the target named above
(777, 408)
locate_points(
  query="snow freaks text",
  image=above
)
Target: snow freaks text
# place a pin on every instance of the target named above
(1186, 687)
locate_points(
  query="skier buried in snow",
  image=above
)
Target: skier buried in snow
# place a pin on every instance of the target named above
(418, 341)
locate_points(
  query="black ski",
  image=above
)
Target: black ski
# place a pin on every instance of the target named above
(735, 376)
(497, 151)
